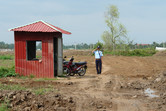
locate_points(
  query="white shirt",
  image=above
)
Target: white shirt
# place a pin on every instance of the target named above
(98, 54)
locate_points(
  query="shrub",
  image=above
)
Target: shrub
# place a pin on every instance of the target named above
(136, 52)
(7, 72)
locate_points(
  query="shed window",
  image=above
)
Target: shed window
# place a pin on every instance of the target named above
(34, 50)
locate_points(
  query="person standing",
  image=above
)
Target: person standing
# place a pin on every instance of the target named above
(98, 59)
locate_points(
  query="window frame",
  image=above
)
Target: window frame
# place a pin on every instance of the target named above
(31, 50)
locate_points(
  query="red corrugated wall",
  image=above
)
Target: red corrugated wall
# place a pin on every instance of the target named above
(39, 69)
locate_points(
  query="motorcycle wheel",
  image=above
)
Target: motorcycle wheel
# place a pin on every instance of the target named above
(68, 72)
(82, 71)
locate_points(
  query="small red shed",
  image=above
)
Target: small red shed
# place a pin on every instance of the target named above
(50, 37)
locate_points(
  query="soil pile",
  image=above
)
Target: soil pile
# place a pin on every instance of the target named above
(27, 101)
(159, 84)
(155, 100)
(160, 53)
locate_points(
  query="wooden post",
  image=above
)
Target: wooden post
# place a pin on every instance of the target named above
(60, 56)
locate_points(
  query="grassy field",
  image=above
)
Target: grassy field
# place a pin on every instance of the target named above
(7, 60)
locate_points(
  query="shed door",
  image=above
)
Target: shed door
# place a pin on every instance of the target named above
(55, 56)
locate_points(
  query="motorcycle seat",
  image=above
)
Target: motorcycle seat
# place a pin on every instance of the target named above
(80, 63)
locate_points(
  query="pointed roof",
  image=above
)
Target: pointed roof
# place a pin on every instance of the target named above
(39, 26)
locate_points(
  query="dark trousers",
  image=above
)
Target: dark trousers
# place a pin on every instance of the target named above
(98, 66)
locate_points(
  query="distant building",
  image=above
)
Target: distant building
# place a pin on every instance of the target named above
(160, 48)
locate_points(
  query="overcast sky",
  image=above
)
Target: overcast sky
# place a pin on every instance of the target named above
(145, 20)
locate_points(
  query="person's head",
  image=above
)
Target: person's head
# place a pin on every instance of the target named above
(98, 47)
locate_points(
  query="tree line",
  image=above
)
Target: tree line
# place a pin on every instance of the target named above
(127, 46)
(130, 45)
(79, 46)
(4, 45)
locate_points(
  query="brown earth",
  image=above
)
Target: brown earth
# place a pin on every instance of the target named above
(120, 87)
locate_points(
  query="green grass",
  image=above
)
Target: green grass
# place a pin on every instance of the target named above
(136, 52)
(38, 57)
(12, 87)
(37, 91)
(45, 79)
(6, 57)
(3, 107)
(31, 76)
(7, 63)
(22, 77)
(42, 91)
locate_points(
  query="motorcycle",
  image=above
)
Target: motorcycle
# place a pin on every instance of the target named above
(71, 68)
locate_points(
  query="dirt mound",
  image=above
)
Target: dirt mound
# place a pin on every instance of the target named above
(160, 53)
(159, 82)
(27, 101)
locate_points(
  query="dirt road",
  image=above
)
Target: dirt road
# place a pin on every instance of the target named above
(126, 84)
(122, 84)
